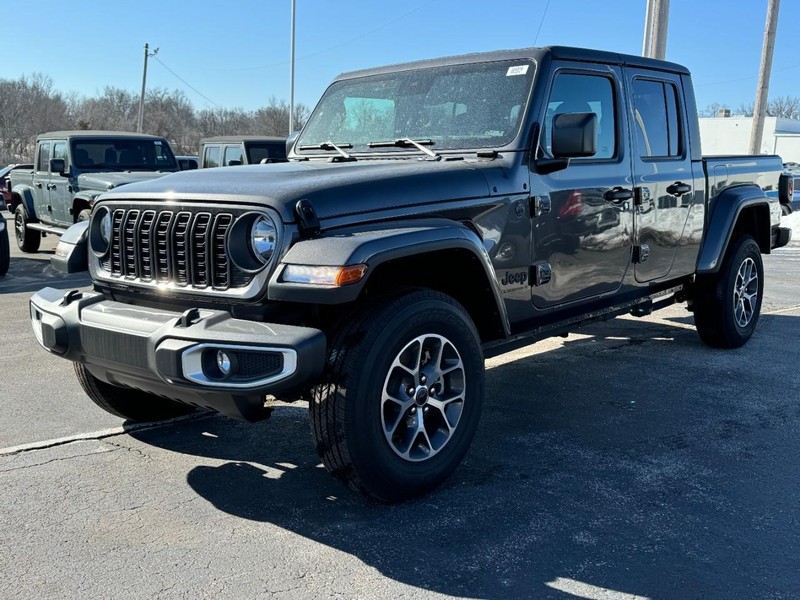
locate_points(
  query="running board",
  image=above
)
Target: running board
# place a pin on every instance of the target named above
(47, 228)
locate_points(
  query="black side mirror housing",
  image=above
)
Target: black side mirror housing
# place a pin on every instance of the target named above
(574, 135)
(234, 163)
(59, 165)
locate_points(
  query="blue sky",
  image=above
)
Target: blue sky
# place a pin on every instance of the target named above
(237, 54)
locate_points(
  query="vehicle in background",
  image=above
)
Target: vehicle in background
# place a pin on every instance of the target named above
(188, 163)
(5, 251)
(5, 182)
(71, 169)
(788, 191)
(232, 150)
(431, 214)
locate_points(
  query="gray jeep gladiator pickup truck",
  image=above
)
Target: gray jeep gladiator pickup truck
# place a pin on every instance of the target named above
(71, 169)
(431, 214)
(233, 150)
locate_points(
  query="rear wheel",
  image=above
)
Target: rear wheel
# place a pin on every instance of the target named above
(28, 240)
(727, 304)
(401, 396)
(126, 402)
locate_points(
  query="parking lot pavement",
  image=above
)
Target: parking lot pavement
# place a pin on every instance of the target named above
(625, 461)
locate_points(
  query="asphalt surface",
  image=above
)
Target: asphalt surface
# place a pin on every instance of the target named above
(625, 461)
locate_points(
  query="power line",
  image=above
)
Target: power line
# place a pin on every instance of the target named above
(186, 83)
(544, 14)
(337, 46)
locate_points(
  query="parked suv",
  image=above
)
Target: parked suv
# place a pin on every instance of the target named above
(71, 169)
(229, 151)
(5, 182)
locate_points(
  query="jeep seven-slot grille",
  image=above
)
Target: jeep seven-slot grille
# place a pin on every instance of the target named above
(180, 247)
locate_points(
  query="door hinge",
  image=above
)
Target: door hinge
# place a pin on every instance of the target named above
(540, 205)
(542, 273)
(637, 196)
(641, 253)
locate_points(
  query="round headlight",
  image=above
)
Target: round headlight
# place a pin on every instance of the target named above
(100, 231)
(105, 226)
(263, 238)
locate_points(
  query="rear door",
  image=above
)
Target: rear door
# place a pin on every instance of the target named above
(583, 223)
(211, 156)
(662, 170)
(41, 182)
(59, 189)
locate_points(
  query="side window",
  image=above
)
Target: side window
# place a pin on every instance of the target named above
(211, 156)
(574, 93)
(60, 150)
(656, 114)
(232, 153)
(43, 160)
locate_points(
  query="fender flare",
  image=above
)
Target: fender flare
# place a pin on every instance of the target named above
(25, 192)
(719, 230)
(374, 245)
(88, 197)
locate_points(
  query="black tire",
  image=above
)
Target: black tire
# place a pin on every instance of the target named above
(5, 251)
(84, 215)
(28, 240)
(126, 402)
(725, 312)
(348, 409)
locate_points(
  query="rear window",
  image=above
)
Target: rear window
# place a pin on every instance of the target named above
(272, 151)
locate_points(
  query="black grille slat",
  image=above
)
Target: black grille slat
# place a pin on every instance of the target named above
(200, 233)
(178, 247)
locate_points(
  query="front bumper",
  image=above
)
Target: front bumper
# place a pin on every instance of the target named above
(173, 354)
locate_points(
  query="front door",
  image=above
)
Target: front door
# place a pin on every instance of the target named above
(583, 217)
(60, 196)
(662, 170)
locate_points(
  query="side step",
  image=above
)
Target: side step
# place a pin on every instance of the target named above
(47, 228)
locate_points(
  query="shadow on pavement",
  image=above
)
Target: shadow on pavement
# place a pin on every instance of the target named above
(32, 274)
(645, 465)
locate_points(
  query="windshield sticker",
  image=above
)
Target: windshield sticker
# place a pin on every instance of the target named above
(157, 142)
(518, 70)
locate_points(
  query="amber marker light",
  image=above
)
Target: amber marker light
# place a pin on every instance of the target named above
(318, 275)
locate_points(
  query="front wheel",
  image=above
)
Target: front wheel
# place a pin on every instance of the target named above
(401, 396)
(727, 304)
(126, 402)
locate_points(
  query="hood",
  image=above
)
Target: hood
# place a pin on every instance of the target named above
(334, 189)
(104, 181)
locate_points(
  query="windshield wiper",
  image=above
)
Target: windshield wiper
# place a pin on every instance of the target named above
(330, 146)
(406, 143)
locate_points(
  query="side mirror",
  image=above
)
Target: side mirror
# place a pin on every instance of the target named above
(59, 165)
(574, 135)
(290, 141)
(234, 163)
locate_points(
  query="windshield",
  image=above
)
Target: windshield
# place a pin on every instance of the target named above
(477, 105)
(123, 155)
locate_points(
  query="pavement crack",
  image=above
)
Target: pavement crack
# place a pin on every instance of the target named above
(57, 459)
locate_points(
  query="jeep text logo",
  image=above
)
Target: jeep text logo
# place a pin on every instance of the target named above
(520, 277)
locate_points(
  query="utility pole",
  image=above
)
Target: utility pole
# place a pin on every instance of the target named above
(655, 29)
(147, 54)
(648, 29)
(291, 77)
(760, 108)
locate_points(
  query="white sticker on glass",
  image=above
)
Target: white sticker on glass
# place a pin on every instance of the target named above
(518, 70)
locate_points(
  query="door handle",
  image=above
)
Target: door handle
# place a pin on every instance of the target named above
(38, 184)
(679, 189)
(51, 186)
(618, 195)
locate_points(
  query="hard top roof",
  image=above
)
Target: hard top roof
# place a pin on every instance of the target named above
(95, 133)
(242, 138)
(538, 54)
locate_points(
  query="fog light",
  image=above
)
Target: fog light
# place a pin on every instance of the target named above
(224, 363)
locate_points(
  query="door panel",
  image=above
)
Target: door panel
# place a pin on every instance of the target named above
(662, 170)
(41, 179)
(60, 196)
(587, 234)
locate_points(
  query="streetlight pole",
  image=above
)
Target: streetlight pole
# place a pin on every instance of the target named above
(291, 77)
(760, 108)
(147, 54)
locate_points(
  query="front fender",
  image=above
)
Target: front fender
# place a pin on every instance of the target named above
(374, 245)
(25, 192)
(728, 206)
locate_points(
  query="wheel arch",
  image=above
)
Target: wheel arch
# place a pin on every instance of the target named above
(23, 194)
(439, 254)
(742, 210)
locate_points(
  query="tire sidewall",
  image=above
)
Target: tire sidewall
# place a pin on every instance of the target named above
(371, 453)
(20, 219)
(746, 247)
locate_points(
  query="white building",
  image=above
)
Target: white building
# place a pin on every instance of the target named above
(731, 135)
